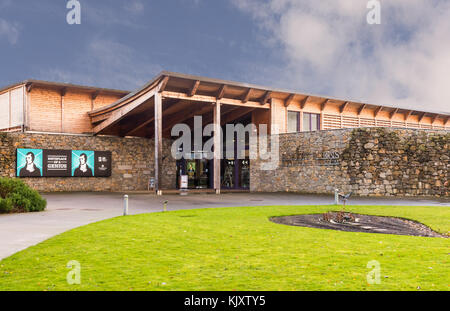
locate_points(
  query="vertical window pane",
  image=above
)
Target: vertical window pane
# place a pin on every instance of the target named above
(293, 121)
(314, 121)
(306, 122)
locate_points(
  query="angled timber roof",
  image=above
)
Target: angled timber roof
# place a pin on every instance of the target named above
(58, 85)
(191, 85)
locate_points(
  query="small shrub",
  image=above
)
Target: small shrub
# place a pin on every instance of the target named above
(6, 206)
(17, 197)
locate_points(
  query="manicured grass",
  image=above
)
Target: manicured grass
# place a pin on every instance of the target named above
(234, 249)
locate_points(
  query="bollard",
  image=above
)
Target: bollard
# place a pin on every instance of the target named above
(125, 205)
(336, 196)
(165, 205)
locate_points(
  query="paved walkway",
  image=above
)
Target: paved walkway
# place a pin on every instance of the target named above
(68, 211)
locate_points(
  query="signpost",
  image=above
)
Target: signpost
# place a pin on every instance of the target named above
(184, 180)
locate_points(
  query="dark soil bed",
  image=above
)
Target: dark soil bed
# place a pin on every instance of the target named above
(362, 223)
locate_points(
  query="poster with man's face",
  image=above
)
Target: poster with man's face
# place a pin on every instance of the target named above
(29, 162)
(83, 163)
(63, 163)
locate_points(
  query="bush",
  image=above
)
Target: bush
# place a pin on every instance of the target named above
(17, 197)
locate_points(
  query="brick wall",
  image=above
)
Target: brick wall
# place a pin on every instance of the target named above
(368, 161)
(132, 161)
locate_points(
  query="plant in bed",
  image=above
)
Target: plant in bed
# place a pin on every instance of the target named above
(17, 197)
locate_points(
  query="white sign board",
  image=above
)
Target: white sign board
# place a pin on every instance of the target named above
(184, 182)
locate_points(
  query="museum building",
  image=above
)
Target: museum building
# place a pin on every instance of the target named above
(76, 130)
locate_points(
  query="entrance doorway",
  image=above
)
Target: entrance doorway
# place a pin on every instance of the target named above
(235, 174)
(198, 172)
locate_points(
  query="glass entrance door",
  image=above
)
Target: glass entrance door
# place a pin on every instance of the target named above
(197, 171)
(228, 174)
(244, 174)
(236, 174)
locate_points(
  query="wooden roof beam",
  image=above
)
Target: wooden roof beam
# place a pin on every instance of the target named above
(29, 87)
(183, 116)
(360, 111)
(377, 111)
(94, 95)
(434, 119)
(120, 113)
(393, 113)
(235, 115)
(324, 105)
(266, 97)
(344, 106)
(289, 100)
(213, 99)
(247, 94)
(176, 107)
(422, 116)
(222, 91)
(304, 102)
(140, 126)
(194, 88)
(163, 84)
(408, 114)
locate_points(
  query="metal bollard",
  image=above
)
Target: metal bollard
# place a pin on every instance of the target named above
(125, 205)
(336, 196)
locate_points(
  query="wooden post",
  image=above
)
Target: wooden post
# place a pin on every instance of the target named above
(10, 110)
(24, 109)
(301, 120)
(158, 141)
(217, 147)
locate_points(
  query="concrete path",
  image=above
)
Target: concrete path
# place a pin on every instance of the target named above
(70, 210)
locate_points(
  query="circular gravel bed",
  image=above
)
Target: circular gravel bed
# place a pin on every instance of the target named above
(362, 223)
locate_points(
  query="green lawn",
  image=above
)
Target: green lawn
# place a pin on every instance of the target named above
(234, 249)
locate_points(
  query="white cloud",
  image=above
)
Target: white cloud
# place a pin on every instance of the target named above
(328, 47)
(9, 31)
(135, 7)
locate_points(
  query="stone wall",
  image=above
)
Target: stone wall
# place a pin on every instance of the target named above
(368, 161)
(132, 161)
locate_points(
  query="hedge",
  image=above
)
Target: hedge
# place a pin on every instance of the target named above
(17, 197)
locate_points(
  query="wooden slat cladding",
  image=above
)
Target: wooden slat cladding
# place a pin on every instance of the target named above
(47, 114)
(45, 110)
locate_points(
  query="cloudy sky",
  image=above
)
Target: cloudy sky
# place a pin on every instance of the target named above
(317, 47)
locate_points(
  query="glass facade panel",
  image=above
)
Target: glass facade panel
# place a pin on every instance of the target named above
(311, 122)
(293, 119)
(245, 174)
(306, 122)
(228, 176)
(314, 120)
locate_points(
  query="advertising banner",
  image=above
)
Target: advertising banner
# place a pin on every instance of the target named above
(63, 163)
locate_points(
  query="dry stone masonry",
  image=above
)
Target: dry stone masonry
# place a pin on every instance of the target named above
(367, 161)
(132, 161)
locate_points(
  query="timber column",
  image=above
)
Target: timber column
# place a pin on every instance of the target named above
(158, 142)
(217, 146)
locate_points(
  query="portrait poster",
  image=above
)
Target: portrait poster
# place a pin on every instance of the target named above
(29, 162)
(83, 163)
